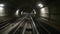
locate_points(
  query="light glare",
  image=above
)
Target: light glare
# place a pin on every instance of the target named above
(2, 11)
(1, 8)
(1, 5)
(17, 12)
(43, 10)
(40, 5)
(21, 12)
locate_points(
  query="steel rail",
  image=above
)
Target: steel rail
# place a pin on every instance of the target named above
(34, 25)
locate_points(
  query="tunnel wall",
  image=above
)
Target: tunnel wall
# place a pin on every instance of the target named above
(54, 11)
(44, 12)
(9, 12)
(37, 12)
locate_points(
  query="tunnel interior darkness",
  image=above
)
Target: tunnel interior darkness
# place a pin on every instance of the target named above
(42, 10)
(51, 11)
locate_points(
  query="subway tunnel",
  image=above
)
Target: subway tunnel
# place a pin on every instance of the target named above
(29, 16)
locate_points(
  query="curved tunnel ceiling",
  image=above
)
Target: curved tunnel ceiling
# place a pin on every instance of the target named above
(22, 3)
(25, 3)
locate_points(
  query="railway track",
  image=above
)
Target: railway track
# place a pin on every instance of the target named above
(25, 25)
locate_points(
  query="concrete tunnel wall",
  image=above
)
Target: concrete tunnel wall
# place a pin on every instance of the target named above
(8, 10)
(42, 12)
(54, 11)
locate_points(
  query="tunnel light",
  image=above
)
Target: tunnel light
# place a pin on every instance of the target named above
(1, 5)
(17, 12)
(1, 8)
(2, 11)
(40, 5)
(21, 12)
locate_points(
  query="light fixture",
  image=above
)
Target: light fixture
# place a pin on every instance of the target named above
(21, 12)
(1, 5)
(2, 10)
(40, 5)
(17, 12)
